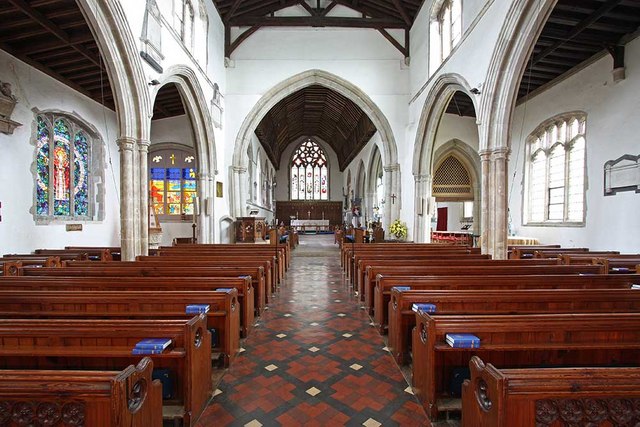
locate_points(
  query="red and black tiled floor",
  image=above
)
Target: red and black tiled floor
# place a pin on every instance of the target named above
(314, 359)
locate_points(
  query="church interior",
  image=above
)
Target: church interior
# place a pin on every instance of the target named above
(320, 212)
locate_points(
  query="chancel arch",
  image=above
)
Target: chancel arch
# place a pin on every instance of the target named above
(309, 80)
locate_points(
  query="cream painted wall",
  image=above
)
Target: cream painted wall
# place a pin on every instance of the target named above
(18, 230)
(612, 130)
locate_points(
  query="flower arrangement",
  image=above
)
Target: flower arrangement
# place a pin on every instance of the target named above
(398, 229)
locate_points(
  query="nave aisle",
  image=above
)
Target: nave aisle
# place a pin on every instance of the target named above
(314, 359)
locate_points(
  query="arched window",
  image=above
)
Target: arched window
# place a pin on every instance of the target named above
(63, 154)
(445, 31)
(309, 173)
(554, 174)
(172, 184)
(184, 16)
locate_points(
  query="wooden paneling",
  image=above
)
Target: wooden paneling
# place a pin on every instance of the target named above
(309, 210)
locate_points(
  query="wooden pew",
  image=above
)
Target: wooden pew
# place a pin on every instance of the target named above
(545, 397)
(526, 251)
(97, 254)
(223, 315)
(114, 251)
(107, 345)
(531, 300)
(29, 260)
(127, 398)
(552, 279)
(512, 341)
(267, 262)
(284, 251)
(376, 301)
(85, 282)
(368, 275)
(278, 266)
(133, 269)
(363, 261)
(619, 264)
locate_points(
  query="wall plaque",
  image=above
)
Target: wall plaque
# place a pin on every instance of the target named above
(74, 227)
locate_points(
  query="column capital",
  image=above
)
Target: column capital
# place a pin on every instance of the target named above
(203, 175)
(126, 143)
(422, 178)
(485, 154)
(143, 145)
(500, 153)
(392, 167)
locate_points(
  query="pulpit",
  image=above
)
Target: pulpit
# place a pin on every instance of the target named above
(250, 229)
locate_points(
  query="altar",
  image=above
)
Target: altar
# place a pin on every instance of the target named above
(313, 225)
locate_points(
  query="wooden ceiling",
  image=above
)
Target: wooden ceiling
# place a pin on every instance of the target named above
(576, 31)
(380, 15)
(168, 102)
(461, 105)
(320, 112)
(54, 37)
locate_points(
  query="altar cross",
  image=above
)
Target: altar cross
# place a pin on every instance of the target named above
(393, 199)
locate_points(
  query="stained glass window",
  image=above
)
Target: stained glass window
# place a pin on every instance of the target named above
(62, 168)
(172, 182)
(309, 173)
(555, 171)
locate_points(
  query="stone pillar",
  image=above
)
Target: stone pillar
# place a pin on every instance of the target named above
(485, 224)
(422, 218)
(211, 217)
(499, 159)
(391, 188)
(202, 202)
(127, 209)
(239, 185)
(143, 200)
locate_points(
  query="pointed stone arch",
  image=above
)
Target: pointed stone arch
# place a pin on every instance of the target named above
(122, 62)
(195, 105)
(292, 85)
(435, 106)
(518, 35)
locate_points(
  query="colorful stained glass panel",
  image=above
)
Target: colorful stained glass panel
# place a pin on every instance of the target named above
(42, 166)
(81, 175)
(61, 166)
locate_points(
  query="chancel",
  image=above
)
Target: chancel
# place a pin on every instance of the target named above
(430, 213)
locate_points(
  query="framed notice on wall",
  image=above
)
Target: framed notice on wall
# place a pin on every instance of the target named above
(218, 189)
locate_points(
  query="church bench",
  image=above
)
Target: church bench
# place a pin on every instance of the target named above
(558, 253)
(529, 300)
(542, 397)
(511, 341)
(135, 269)
(366, 276)
(62, 257)
(89, 344)
(126, 398)
(114, 251)
(97, 254)
(407, 248)
(374, 297)
(587, 258)
(521, 252)
(272, 277)
(515, 251)
(279, 265)
(223, 315)
(619, 263)
(284, 252)
(31, 260)
(362, 260)
(81, 280)
(354, 255)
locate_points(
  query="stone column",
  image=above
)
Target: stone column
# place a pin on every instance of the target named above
(422, 219)
(485, 162)
(239, 184)
(202, 202)
(500, 158)
(127, 208)
(143, 200)
(391, 187)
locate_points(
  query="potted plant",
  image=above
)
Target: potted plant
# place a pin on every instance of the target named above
(398, 229)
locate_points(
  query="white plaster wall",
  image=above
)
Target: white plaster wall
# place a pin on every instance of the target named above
(455, 127)
(18, 231)
(256, 198)
(454, 215)
(173, 129)
(612, 130)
